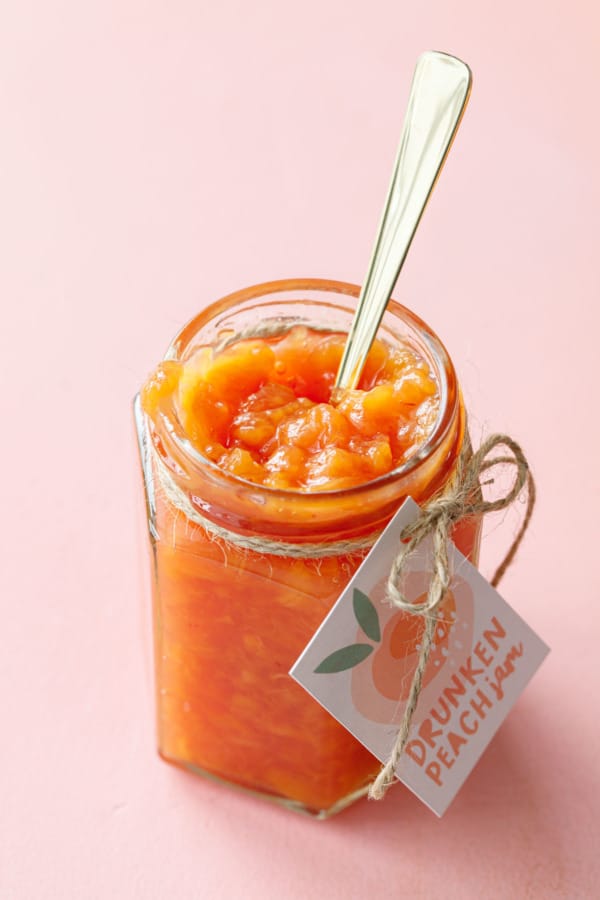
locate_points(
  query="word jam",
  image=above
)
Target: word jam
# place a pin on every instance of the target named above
(473, 691)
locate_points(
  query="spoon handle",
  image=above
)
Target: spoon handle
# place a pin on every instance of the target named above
(438, 96)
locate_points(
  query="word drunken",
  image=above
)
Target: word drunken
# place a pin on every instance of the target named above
(472, 692)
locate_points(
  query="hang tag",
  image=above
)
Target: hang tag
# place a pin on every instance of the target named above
(360, 663)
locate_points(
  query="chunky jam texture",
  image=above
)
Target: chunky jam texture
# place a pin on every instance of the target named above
(265, 410)
(230, 622)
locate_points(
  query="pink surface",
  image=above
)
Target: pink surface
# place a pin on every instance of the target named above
(156, 156)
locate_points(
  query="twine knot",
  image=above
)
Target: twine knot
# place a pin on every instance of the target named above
(460, 499)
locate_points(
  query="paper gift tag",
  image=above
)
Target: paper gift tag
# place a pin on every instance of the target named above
(360, 663)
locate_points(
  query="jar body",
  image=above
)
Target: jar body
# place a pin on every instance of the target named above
(238, 595)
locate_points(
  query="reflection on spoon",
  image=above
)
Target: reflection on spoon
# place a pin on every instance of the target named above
(439, 94)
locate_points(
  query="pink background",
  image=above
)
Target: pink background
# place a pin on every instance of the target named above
(155, 156)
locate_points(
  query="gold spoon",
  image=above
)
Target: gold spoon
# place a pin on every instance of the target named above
(438, 96)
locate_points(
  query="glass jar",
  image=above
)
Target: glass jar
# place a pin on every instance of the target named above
(243, 575)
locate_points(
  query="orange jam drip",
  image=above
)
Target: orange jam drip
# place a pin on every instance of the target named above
(265, 410)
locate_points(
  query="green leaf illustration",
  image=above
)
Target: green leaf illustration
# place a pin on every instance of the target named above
(346, 658)
(366, 615)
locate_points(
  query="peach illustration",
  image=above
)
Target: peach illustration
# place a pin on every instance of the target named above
(395, 660)
(381, 682)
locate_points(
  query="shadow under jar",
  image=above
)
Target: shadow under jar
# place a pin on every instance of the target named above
(244, 574)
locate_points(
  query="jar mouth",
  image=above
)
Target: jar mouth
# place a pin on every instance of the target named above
(291, 291)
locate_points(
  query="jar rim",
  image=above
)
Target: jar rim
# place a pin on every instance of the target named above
(445, 376)
(248, 508)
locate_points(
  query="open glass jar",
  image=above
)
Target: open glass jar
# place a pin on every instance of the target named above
(243, 574)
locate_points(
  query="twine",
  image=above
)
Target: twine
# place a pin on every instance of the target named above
(460, 499)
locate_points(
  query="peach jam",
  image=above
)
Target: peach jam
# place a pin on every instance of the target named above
(265, 489)
(262, 409)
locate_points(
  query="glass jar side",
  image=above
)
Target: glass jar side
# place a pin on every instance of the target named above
(230, 621)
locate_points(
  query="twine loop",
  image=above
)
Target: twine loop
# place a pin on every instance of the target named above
(460, 499)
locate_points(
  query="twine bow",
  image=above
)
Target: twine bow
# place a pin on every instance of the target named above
(461, 498)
